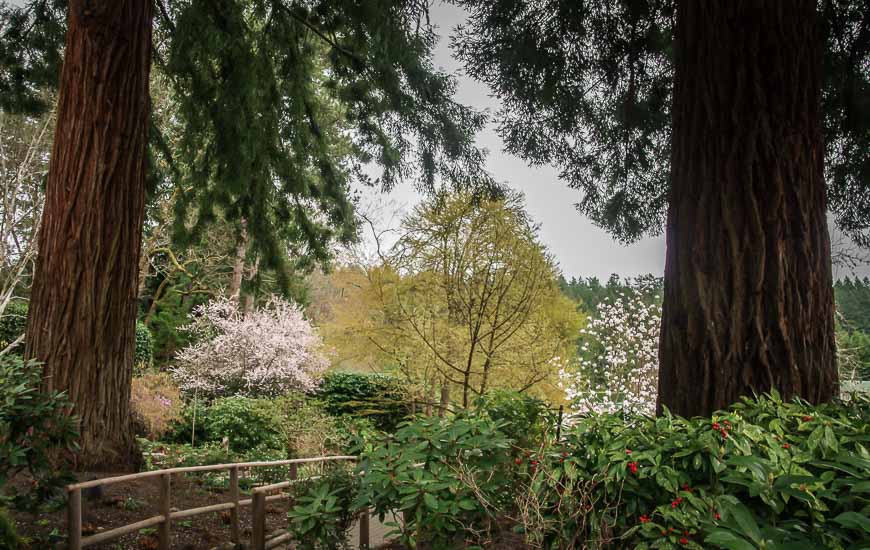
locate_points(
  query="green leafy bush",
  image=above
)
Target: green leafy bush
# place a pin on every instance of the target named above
(144, 355)
(32, 426)
(380, 398)
(524, 419)
(191, 418)
(324, 509)
(306, 430)
(765, 474)
(12, 325)
(442, 475)
(246, 422)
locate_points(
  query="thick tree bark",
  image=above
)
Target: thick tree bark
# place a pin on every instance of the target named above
(83, 302)
(748, 303)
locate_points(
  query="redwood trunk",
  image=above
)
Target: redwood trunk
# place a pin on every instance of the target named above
(83, 301)
(748, 303)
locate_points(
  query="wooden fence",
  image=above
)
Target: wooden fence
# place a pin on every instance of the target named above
(163, 521)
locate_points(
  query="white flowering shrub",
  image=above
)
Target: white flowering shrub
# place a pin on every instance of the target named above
(265, 353)
(617, 368)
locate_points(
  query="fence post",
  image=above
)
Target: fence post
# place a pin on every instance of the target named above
(294, 475)
(364, 529)
(234, 511)
(74, 519)
(258, 529)
(163, 528)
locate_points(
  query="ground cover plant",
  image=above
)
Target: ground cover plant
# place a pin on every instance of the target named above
(763, 474)
(34, 427)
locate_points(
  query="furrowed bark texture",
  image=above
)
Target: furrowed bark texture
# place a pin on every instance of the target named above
(748, 303)
(83, 303)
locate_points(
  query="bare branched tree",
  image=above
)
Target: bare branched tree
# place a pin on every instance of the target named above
(25, 143)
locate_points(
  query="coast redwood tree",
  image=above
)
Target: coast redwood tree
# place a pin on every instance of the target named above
(83, 301)
(748, 301)
(276, 105)
(738, 123)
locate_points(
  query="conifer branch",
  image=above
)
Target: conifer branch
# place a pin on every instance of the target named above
(334, 44)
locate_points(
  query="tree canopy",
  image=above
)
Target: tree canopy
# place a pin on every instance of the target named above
(588, 88)
(275, 106)
(467, 298)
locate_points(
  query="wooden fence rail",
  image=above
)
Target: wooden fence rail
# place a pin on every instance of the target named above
(163, 520)
(260, 496)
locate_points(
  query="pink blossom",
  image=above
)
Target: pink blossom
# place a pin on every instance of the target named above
(267, 352)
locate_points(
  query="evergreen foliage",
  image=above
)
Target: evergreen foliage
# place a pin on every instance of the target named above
(277, 106)
(12, 324)
(853, 303)
(381, 398)
(589, 292)
(144, 355)
(587, 87)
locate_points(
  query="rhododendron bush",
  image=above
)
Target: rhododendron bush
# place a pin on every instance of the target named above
(267, 352)
(617, 368)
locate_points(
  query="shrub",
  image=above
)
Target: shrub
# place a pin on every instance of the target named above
(523, 418)
(192, 415)
(305, 429)
(156, 403)
(12, 325)
(246, 422)
(324, 509)
(32, 426)
(765, 474)
(443, 475)
(144, 356)
(381, 398)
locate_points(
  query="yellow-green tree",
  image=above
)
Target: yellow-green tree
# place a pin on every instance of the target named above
(466, 299)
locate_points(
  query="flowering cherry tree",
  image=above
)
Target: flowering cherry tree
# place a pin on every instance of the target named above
(265, 353)
(617, 369)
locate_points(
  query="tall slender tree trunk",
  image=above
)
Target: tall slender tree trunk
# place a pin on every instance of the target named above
(748, 303)
(83, 301)
(239, 265)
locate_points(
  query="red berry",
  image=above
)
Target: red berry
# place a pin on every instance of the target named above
(518, 461)
(785, 445)
(684, 540)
